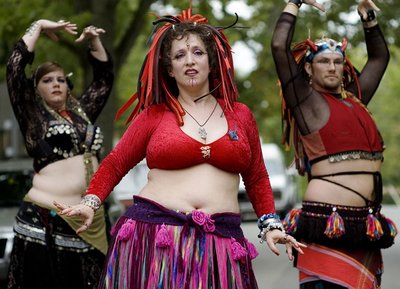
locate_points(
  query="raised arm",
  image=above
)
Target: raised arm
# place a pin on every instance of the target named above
(96, 94)
(378, 52)
(300, 98)
(20, 87)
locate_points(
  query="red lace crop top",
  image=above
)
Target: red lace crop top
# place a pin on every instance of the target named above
(349, 133)
(155, 135)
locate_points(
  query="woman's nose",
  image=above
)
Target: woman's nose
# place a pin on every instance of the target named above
(189, 60)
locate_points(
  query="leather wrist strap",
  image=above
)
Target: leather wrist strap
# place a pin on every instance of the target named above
(370, 16)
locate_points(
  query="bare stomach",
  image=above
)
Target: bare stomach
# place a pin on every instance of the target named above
(323, 191)
(202, 187)
(63, 181)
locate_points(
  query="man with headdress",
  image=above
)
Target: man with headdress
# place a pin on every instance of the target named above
(338, 145)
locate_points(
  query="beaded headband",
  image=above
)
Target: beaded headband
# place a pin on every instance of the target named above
(325, 45)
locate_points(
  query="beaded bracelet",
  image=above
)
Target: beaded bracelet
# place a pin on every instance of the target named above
(370, 16)
(268, 222)
(296, 2)
(91, 201)
(32, 28)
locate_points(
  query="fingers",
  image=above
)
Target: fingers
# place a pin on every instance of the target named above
(90, 32)
(292, 243)
(319, 6)
(273, 247)
(83, 228)
(93, 30)
(315, 4)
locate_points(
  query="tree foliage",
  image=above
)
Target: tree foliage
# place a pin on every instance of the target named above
(128, 24)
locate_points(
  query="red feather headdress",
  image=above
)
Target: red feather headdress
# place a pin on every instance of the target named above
(153, 86)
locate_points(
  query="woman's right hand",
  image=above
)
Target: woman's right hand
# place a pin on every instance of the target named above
(84, 212)
(49, 27)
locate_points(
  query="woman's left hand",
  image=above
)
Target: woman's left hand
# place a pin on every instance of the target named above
(89, 33)
(274, 237)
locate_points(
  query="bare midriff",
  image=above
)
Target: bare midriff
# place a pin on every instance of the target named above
(202, 187)
(323, 191)
(63, 181)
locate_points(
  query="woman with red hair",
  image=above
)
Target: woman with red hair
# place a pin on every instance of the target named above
(183, 229)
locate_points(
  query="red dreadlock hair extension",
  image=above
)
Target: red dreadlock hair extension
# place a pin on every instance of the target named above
(304, 52)
(155, 86)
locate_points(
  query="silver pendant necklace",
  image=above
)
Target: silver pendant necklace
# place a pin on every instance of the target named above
(202, 131)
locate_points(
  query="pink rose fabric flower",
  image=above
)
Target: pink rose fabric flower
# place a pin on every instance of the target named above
(203, 220)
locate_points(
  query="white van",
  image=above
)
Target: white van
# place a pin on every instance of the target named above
(282, 181)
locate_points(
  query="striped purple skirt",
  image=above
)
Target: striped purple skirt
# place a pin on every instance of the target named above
(157, 248)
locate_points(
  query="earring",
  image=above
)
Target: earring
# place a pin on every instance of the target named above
(343, 91)
(309, 80)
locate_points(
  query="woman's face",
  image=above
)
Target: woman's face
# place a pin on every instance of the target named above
(189, 63)
(53, 88)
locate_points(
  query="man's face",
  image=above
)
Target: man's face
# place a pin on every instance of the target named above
(326, 72)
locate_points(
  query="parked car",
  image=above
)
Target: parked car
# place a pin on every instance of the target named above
(131, 184)
(15, 181)
(282, 182)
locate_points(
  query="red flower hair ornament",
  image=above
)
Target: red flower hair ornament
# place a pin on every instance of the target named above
(153, 86)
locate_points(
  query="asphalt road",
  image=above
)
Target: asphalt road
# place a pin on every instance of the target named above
(274, 272)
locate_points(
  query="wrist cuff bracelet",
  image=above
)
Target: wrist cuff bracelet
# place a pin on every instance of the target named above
(268, 222)
(91, 201)
(32, 28)
(296, 2)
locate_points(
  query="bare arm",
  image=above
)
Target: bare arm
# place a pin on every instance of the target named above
(47, 27)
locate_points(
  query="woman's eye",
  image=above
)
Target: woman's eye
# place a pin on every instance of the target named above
(179, 56)
(62, 80)
(198, 52)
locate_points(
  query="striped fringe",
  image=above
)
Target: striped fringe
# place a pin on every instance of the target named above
(159, 256)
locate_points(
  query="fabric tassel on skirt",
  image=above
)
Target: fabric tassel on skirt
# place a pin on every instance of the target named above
(157, 248)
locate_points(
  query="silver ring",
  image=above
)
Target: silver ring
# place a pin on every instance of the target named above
(61, 21)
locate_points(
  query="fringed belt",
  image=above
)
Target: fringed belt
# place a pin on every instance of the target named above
(340, 226)
(223, 224)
